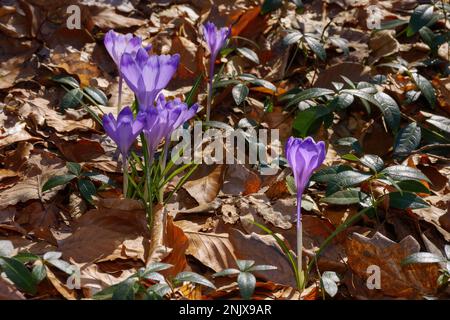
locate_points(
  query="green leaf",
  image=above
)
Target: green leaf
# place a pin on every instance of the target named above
(246, 282)
(194, 278)
(6, 248)
(67, 80)
(264, 83)
(97, 95)
(422, 257)
(244, 265)
(400, 173)
(39, 272)
(346, 197)
(390, 110)
(373, 162)
(87, 189)
(71, 99)
(125, 290)
(226, 272)
(413, 186)
(262, 267)
(350, 142)
(426, 88)
(158, 291)
(329, 281)
(158, 266)
(309, 94)
(292, 37)
(74, 168)
(429, 38)
(442, 123)
(406, 200)
(408, 140)
(346, 179)
(249, 54)
(240, 92)
(270, 5)
(328, 173)
(350, 157)
(309, 120)
(18, 274)
(317, 47)
(57, 181)
(422, 16)
(26, 257)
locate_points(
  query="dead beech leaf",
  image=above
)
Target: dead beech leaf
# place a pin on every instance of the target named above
(382, 44)
(74, 63)
(9, 291)
(117, 229)
(40, 112)
(240, 180)
(214, 250)
(17, 133)
(80, 150)
(263, 249)
(205, 189)
(37, 170)
(437, 214)
(410, 281)
(59, 286)
(178, 242)
(107, 18)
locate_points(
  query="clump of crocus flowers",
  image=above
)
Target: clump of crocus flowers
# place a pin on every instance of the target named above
(304, 157)
(155, 118)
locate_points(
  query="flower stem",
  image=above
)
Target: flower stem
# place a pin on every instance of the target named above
(300, 242)
(119, 100)
(125, 175)
(210, 88)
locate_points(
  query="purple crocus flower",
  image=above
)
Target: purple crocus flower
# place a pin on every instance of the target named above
(162, 120)
(148, 75)
(125, 130)
(304, 156)
(117, 44)
(215, 39)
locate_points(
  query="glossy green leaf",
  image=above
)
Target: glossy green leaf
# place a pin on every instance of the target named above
(406, 200)
(400, 173)
(426, 88)
(18, 274)
(249, 54)
(390, 110)
(97, 95)
(67, 80)
(373, 162)
(240, 92)
(346, 197)
(57, 181)
(422, 16)
(87, 189)
(71, 99)
(194, 278)
(408, 139)
(246, 282)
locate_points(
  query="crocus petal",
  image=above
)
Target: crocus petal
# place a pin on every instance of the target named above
(130, 71)
(304, 156)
